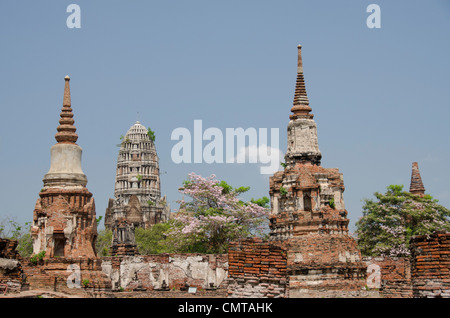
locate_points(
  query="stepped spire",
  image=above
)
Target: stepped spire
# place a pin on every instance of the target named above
(66, 130)
(416, 186)
(301, 102)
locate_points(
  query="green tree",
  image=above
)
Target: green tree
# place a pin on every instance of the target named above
(103, 242)
(153, 240)
(11, 229)
(389, 222)
(215, 216)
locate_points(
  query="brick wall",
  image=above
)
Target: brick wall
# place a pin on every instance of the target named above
(257, 269)
(325, 266)
(81, 276)
(390, 275)
(11, 273)
(172, 271)
(431, 265)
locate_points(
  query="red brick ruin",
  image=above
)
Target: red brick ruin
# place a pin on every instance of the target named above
(309, 253)
(64, 228)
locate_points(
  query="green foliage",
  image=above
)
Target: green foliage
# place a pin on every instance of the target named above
(98, 220)
(85, 282)
(139, 177)
(283, 164)
(331, 203)
(153, 240)
(262, 202)
(11, 229)
(283, 191)
(37, 257)
(103, 242)
(150, 202)
(389, 222)
(151, 134)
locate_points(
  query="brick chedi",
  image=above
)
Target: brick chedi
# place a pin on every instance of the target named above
(306, 198)
(64, 223)
(416, 187)
(64, 219)
(308, 212)
(137, 194)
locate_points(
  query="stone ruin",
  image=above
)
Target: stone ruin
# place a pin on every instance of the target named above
(308, 212)
(64, 228)
(309, 254)
(123, 242)
(137, 194)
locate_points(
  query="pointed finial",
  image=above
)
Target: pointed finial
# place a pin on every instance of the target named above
(299, 59)
(301, 102)
(416, 186)
(66, 99)
(66, 129)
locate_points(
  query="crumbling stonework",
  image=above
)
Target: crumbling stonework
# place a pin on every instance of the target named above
(416, 186)
(308, 213)
(12, 278)
(391, 276)
(325, 266)
(64, 228)
(431, 265)
(305, 198)
(76, 276)
(257, 269)
(123, 240)
(64, 223)
(167, 271)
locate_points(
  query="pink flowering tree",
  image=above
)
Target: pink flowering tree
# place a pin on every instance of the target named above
(389, 222)
(214, 216)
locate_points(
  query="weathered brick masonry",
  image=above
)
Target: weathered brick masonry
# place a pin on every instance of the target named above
(81, 276)
(257, 269)
(167, 271)
(325, 266)
(390, 275)
(431, 265)
(12, 277)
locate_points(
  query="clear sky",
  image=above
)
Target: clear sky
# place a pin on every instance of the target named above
(380, 96)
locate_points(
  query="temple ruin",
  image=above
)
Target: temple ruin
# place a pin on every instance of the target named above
(64, 228)
(416, 186)
(308, 211)
(64, 222)
(137, 193)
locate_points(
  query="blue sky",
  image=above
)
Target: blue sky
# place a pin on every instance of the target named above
(380, 96)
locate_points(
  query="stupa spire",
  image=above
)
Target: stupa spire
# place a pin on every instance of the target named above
(300, 106)
(66, 130)
(416, 186)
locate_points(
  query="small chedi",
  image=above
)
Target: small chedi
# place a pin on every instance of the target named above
(137, 195)
(123, 240)
(416, 186)
(308, 212)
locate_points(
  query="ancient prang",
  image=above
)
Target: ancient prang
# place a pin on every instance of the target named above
(308, 211)
(137, 195)
(64, 220)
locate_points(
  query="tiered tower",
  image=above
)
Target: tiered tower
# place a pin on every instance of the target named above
(64, 221)
(137, 195)
(306, 198)
(416, 186)
(308, 212)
